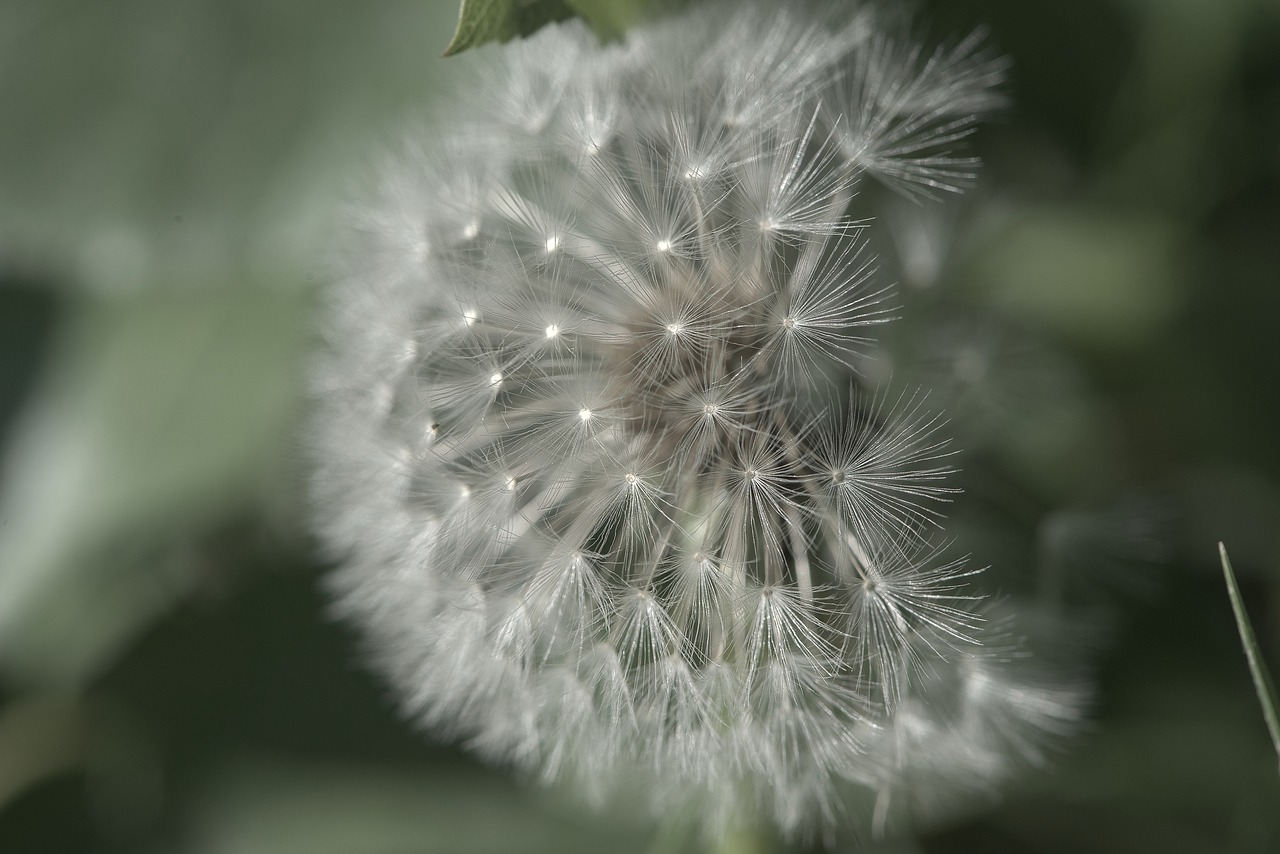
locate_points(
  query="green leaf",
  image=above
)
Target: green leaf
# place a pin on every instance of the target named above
(261, 807)
(608, 19)
(163, 414)
(1261, 682)
(483, 21)
(1103, 280)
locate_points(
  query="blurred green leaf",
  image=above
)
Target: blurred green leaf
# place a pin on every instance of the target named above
(482, 21)
(1092, 276)
(269, 117)
(38, 738)
(257, 808)
(609, 19)
(162, 412)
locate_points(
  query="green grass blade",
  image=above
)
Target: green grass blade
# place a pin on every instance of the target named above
(1261, 683)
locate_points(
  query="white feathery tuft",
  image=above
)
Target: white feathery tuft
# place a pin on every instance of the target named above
(611, 500)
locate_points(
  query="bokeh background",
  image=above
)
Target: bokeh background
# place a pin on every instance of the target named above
(1100, 318)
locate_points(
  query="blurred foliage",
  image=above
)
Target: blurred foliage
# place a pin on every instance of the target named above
(483, 21)
(1100, 320)
(159, 412)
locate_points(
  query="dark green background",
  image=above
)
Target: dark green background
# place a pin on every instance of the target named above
(170, 173)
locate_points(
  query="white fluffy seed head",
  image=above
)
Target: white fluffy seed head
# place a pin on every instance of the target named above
(636, 520)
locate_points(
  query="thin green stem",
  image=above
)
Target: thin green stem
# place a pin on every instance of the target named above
(1261, 682)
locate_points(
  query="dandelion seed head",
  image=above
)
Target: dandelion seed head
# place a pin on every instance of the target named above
(687, 547)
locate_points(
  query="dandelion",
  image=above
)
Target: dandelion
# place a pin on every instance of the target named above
(612, 499)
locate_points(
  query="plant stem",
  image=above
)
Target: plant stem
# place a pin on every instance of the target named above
(1261, 682)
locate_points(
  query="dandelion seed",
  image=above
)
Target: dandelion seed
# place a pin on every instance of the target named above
(652, 556)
